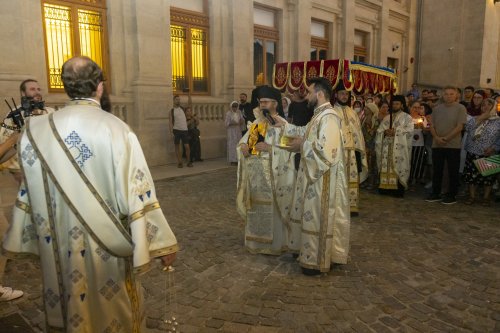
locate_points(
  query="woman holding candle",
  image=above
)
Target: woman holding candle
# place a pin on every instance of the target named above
(418, 148)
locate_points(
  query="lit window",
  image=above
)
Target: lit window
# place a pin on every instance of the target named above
(189, 51)
(72, 30)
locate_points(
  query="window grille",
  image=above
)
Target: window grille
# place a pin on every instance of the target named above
(73, 28)
(189, 51)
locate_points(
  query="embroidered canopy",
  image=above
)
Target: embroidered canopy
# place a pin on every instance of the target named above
(357, 76)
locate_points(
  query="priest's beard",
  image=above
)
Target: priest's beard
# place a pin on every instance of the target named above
(105, 101)
(346, 103)
(312, 102)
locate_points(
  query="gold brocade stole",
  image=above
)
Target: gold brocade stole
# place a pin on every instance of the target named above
(253, 136)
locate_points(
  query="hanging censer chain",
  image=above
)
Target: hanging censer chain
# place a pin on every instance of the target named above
(171, 321)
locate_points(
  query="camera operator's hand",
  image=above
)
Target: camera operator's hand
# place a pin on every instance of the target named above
(12, 140)
(8, 144)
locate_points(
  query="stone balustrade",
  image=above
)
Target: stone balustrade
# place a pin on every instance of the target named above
(210, 111)
(211, 115)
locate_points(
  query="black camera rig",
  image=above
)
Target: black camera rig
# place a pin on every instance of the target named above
(17, 114)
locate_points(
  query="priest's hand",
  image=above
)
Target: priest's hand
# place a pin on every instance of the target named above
(244, 150)
(389, 132)
(278, 121)
(262, 146)
(294, 145)
(168, 259)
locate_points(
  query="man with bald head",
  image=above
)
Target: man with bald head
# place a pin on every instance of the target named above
(88, 210)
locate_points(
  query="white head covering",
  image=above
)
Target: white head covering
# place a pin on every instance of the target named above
(374, 109)
(493, 115)
(233, 102)
(288, 101)
(285, 109)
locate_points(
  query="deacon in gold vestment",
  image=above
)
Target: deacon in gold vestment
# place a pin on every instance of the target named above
(88, 211)
(321, 199)
(393, 145)
(354, 146)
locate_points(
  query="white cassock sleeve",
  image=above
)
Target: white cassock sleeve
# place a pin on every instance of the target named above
(136, 197)
(21, 238)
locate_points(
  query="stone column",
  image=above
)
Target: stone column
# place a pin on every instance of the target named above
(239, 47)
(384, 34)
(347, 32)
(152, 79)
(339, 37)
(300, 32)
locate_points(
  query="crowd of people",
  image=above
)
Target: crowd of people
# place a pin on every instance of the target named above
(426, 135)
(301, 161)
(292, 166)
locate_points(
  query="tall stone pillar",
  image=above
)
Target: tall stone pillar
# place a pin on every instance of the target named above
(151, 82)
(347, 30)
(239, 48)
(300, 28)
(381, 56)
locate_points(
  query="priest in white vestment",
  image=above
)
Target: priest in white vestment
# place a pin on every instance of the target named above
(88, 211)
(321, 199)
(354, 145)
(266, 178)
(393, 145)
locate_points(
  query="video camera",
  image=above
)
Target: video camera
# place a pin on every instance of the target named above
(17, 114)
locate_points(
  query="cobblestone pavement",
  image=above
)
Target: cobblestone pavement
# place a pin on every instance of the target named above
(414, 267)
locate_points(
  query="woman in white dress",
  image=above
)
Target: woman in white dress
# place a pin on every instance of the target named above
(234, 120)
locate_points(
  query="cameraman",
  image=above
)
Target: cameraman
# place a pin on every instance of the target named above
(31, 91)
(32, 104)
